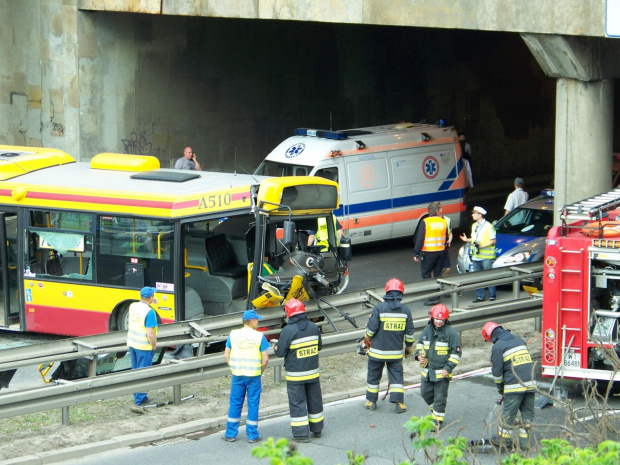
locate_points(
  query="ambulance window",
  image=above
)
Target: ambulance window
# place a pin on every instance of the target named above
(328, 173)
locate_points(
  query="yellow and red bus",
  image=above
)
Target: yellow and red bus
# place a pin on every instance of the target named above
(78, 240)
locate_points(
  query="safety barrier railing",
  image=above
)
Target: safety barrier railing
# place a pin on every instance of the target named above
(175, 373)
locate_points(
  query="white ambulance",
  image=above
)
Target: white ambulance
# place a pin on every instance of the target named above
(387, 174)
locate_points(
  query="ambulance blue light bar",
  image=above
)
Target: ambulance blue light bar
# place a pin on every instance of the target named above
(336, 135)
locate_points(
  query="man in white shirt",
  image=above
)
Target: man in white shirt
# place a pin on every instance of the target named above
(516, 197)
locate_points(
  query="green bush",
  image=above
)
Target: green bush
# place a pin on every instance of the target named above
(560, 452)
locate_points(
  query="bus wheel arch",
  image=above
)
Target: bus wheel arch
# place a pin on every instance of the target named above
(119, 318)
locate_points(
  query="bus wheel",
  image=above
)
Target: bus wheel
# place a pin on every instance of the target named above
(122, 318)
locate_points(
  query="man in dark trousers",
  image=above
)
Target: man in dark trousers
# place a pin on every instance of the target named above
(439, 352)
(430, 245)
(513, 374)
(390, 322)
(299, 344)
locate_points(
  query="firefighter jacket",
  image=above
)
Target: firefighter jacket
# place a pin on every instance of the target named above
(390, 322)
(136, 330)
(443, 350)
(432, 235)
(483, 233)
(511, 362)
(299, 344)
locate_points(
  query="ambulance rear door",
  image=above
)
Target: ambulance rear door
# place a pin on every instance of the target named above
(368, 212)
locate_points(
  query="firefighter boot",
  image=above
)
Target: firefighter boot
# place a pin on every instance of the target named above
(400, 407)
(370, 405)
(501, 442)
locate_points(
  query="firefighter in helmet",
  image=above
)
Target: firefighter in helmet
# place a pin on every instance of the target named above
(513, 374)
(389, 324)
(439, 352)
(299, 344)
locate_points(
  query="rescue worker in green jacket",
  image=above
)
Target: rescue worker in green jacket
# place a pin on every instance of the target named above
(390, 322)
(439, 352)
(513, 374)
(482, 250)
(321, 235)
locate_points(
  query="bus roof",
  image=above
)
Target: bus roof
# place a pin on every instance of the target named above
(309, 149)
(31, 178)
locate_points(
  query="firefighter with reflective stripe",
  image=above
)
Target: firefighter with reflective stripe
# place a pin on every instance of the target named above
(142, 338)
(389, 324)
(430, 245)
(482, 250)
(513, 374)
(247, 356)
(299, 344)
(439, 352)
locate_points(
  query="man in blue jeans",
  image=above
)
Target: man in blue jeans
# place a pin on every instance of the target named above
(142, 338)
(246, 355)
(482, 250)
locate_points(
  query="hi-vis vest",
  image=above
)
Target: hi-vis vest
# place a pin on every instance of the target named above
(245, 354)
(136, 333)
(435, 237)
(322, 235)
(482, 235)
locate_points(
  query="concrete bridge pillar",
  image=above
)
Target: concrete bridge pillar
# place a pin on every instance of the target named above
(583, 139)
(584, 112)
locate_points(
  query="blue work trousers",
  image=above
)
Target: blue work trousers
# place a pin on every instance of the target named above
(140, 359)
(480, 265)
(239, 386)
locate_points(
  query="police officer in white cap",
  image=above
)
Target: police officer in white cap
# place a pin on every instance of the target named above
(482, 250)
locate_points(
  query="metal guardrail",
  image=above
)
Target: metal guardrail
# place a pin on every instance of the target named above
(178, 372)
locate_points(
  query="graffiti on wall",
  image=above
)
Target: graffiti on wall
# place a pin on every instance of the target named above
(140, 145)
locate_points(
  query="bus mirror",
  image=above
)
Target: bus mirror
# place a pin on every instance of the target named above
(289, 234)
(344, 249)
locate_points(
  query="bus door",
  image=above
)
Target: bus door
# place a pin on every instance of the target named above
(8, 267)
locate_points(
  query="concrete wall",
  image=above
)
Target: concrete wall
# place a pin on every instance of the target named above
(38, 73)
(570, 17)
(235, 88)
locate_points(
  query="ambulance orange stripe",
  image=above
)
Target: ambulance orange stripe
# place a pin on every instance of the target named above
(405, 215)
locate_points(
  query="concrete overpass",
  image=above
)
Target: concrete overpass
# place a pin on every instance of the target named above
(129, 75)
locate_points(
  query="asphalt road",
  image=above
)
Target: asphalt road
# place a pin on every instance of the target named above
(471, 413)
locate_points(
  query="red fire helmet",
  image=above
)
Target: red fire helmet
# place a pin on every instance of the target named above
(294, 307)
(440, 311)
(487, 330)
(395, 285)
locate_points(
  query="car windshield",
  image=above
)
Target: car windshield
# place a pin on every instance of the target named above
(272, 168)
(526, 222)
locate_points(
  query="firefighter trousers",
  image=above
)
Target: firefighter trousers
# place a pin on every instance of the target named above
(305, 404)
(435, 394)
(395, 377)
(513, 403)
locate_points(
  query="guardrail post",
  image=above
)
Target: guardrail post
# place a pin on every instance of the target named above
(516, 287)
(176, 394)
(66, 420)
(277, 374)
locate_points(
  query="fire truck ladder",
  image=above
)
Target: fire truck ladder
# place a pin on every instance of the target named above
(592, 208)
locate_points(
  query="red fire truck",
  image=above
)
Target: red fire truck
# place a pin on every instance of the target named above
(581, 282)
